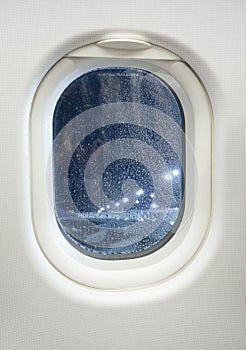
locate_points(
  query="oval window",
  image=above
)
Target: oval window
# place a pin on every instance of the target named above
(118, 163)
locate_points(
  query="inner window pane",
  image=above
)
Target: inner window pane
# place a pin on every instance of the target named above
(118, 162)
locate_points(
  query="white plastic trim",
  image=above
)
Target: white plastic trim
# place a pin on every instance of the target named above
(97, 50)
(124, 44)
(180, 250)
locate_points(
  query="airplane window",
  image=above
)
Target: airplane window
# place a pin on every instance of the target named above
(118, 162)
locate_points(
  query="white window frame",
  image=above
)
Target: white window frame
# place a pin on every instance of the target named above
(185, 244)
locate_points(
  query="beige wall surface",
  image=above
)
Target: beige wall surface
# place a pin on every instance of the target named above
(201, 308)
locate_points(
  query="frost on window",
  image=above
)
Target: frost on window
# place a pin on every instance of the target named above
(118, 163)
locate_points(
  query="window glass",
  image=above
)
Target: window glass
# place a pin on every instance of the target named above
(118, 162)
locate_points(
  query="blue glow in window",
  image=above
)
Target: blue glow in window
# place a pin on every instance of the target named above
(118, 163)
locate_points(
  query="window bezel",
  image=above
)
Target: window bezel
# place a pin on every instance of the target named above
(177, 253)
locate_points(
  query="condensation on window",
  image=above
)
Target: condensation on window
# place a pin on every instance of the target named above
(118, 163)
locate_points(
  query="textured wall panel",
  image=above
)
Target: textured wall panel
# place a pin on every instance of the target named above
(203, 307)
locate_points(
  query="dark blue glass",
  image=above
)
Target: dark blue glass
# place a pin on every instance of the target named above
(118, 163)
